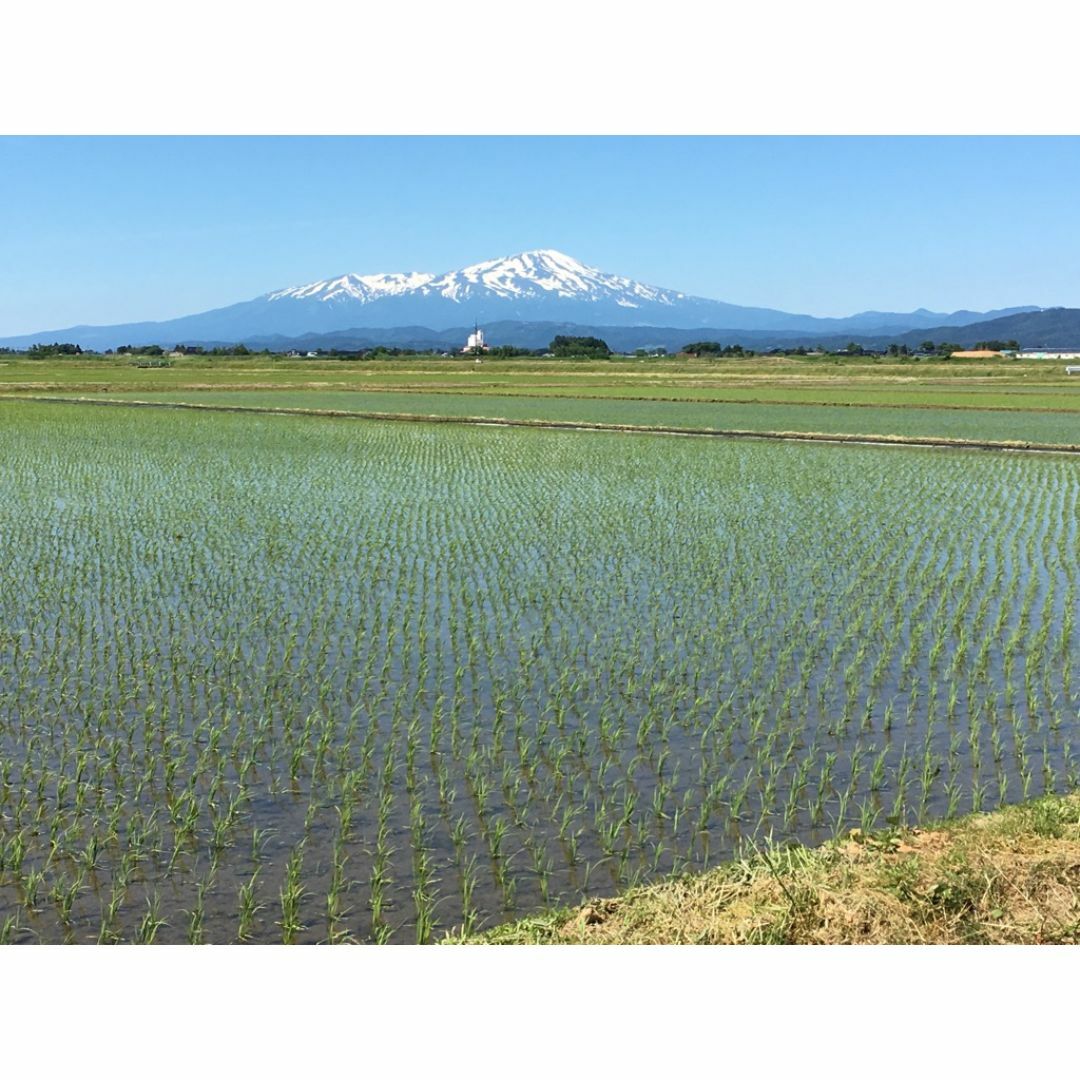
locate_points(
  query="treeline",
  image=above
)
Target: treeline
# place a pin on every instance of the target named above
(57, 348)
(714, 348)
(182, 350)
(562, 345)
(853, 348)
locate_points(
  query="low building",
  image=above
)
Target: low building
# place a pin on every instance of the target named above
(1049, 354)
(975, 354)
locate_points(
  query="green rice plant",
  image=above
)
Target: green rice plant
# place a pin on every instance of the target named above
(31, 885)
(249, 908)
(151, 922)
(65, 896)
(10, 929)
(292, 896)
(109, 930)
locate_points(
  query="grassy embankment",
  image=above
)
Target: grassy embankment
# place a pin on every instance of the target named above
(1012, 876)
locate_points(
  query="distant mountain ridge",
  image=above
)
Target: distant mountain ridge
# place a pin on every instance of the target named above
(1054, 328)
(542, 286)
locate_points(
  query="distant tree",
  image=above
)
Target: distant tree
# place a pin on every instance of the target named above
(854, 349)
(714, 348)
(383, 351)
(562, 345)
(230, 350)
(704, 348)
(926, 347)
(57, 348)
(140, 350)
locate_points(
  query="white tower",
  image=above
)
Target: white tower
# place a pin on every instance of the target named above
(476, 340)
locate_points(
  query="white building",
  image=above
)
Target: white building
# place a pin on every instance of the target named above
(1049, 354)
(476, 342)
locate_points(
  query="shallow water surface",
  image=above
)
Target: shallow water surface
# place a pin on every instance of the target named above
(295, 679)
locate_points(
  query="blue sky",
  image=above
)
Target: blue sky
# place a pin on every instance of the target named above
(103, 230)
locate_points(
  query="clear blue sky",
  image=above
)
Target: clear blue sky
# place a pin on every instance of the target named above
(103, 230)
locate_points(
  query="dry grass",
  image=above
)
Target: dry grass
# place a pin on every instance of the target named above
(1008, 877)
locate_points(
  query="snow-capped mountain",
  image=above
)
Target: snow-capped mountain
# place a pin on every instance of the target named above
(549, 285)
(531, 287)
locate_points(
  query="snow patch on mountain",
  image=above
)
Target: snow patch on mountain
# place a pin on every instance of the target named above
(362, 287)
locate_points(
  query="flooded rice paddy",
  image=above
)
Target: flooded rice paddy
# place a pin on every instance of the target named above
(291, 679)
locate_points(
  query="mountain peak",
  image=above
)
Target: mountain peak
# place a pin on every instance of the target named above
(532, 274)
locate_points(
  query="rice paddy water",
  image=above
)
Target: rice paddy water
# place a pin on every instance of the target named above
(293, 679)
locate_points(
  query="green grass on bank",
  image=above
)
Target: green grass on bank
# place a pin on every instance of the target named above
(1007, 877)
